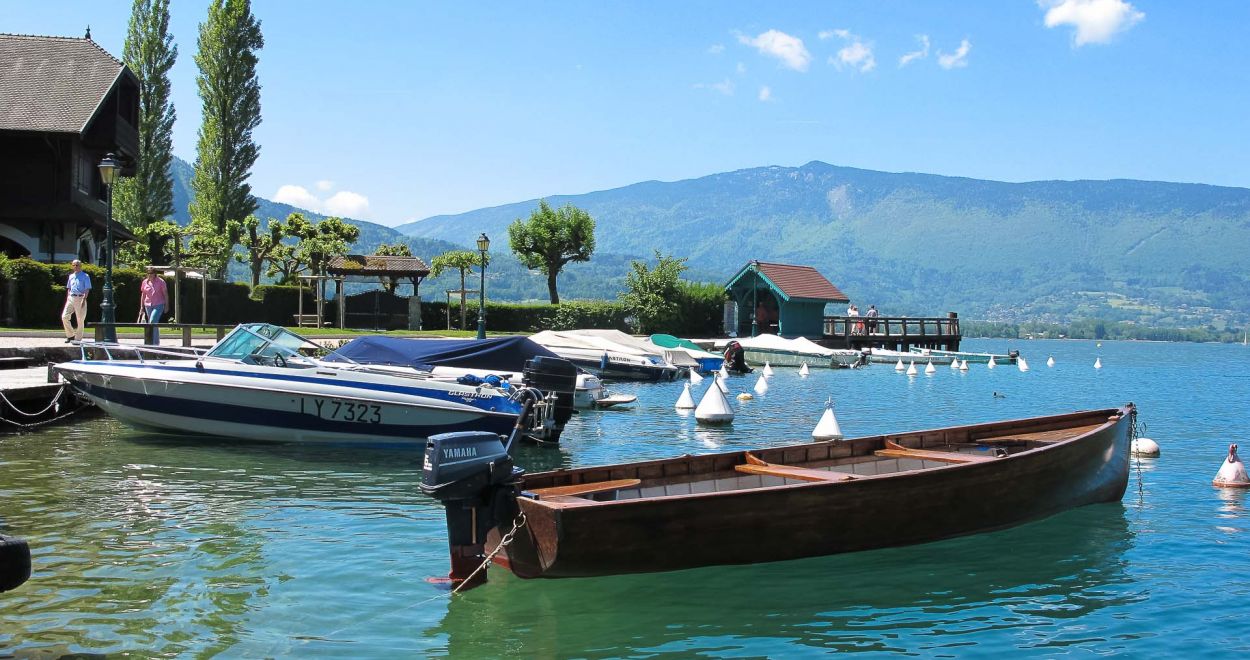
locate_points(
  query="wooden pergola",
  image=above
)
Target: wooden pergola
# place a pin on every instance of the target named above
(360, 267)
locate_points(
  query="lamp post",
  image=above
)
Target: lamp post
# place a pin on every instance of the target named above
(483, 244)
(108, 172)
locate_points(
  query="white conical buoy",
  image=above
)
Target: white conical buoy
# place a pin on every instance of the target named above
(761, 385)
(1022, 364)
(899, 366)
(803, 369)
(963, 366)
(1232, 473)
(714, 407)
(1050, 361)
(695, 378)
(724, 373)
(768, 369)
(930, 369)
(1145, 447)
(720, 383)
(1098, 363)
(991, 364)
(911, 369)
(954, 365)
(827, 428)
(685, 401)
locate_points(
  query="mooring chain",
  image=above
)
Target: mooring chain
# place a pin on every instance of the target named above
(503, 543)
(1136, 430)
(19, 411)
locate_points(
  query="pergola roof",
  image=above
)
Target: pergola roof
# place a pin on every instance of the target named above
(375, 265)
(793, 282)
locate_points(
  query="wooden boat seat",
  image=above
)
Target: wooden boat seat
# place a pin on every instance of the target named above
(930, 455)
(1057, 435)
(585, 489)
(757, 466)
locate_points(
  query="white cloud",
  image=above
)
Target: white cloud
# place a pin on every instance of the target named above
(957, 59)
(725, 87)
(716, 49)
(347, 204)
(916, 54)
(773, 43)
(1096, 21)
(766, 93)
(856, 55)
(297, 196)
(742, 68)
(324, 185)
(343, 203)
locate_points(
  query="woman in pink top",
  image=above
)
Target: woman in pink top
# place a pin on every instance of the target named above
(152, 298)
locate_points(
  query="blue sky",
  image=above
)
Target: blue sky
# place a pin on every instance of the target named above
(394, 111)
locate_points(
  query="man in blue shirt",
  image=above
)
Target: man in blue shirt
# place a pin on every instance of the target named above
(76, 288)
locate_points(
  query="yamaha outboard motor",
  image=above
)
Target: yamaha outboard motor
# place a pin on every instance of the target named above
(557, 378)
(735, 359)
(471, 473)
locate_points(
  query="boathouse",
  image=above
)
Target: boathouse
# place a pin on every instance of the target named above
(781, 299)
(64, 104)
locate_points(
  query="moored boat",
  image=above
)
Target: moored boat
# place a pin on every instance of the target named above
(778, 503)
(255, 384)
(781, 352)
(886, 356)
(610, 354)
(1009, 357)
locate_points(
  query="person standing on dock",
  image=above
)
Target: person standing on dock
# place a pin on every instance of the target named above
(76, 289)
(152, 298)
(872, 315)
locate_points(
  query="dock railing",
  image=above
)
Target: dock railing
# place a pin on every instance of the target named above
(896, 331)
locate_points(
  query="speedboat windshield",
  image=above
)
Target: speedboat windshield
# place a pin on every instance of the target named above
(258, 340)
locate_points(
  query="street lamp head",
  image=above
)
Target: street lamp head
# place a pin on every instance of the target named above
(108, 169)
(483, 243)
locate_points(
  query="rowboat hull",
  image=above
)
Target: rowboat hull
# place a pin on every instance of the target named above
(689, 512)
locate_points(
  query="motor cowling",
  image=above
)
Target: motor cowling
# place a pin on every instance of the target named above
(553, 376)
(473, 476)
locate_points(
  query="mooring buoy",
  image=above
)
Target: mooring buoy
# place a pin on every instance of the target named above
(1232, 473)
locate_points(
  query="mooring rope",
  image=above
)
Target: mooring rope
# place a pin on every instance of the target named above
(19, 411)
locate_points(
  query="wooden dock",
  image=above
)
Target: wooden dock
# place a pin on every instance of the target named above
(896, 333)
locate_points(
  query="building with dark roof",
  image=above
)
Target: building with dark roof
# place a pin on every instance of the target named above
(781, 299)
(64, 104)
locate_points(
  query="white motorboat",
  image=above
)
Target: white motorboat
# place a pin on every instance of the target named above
(886, 356)
(610, 354)
(781, 352)
(255, 384)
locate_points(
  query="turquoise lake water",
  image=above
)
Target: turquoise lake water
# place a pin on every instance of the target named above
(155, 545)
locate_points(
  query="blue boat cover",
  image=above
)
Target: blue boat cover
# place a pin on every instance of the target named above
(495, 354)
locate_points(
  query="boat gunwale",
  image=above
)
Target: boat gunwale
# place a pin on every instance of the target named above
(1114, 416)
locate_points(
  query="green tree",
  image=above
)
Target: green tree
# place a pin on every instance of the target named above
(552, 238)
(392, 250)
(463, 261)
(258, 243)
(148, 196)
(226, 152)
(652, 294)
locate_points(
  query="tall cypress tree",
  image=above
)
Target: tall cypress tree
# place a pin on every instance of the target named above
(228, 42)
(147, 198)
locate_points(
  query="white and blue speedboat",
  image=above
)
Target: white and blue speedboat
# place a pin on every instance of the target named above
(255, 384)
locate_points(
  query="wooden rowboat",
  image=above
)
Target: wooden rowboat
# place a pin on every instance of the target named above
(808, 500)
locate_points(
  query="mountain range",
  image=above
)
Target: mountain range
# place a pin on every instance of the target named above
(1170, 254)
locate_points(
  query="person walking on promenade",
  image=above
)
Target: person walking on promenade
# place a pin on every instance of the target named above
(152, 299)
(76, 288)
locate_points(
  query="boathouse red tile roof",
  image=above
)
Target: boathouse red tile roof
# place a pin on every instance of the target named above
(801, 282)
(53, 84)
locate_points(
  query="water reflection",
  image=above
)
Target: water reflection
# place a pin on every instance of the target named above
(1032, 580)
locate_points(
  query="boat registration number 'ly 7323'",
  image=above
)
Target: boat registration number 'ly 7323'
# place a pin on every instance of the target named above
(343, 411)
